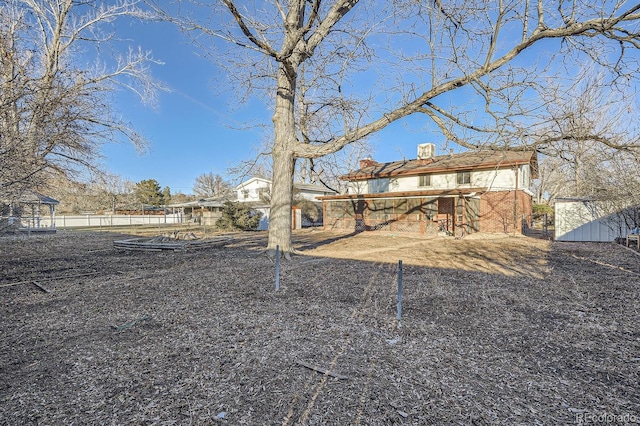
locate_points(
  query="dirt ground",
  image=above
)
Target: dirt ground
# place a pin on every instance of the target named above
(494, 330)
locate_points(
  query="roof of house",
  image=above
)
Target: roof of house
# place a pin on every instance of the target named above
(427, 193)
(471, 160)
(203, 202)
(249, 181)
(312, 187)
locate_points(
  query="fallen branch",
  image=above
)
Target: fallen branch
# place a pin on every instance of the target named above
(37, 284)
(49, 279)
(322, 370)
(130, 323)
(160, 243)
(605, 264)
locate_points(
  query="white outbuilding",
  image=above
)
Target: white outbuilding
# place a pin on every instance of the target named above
(582, 219)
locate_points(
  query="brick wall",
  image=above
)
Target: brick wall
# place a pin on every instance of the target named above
(499, 212)
(504, 211)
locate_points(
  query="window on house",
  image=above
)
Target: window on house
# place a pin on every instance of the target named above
(245, 194)
(263, 194)
(424, 180)
(463, 177)
(379, 185)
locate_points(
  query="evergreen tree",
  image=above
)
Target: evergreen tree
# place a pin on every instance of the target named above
(238, 216)
(148, 192)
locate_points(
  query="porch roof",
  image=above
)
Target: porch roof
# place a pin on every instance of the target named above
(408, 194)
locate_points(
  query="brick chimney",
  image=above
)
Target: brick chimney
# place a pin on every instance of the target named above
(367, 162)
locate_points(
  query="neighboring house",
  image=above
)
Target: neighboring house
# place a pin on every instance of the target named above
(205, 211)
(254, 190)
(583, 219)
(258, 191)
(483, 191)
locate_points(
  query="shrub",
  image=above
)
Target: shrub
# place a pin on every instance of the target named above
(539, 209)
(238, 216)
(311, 212)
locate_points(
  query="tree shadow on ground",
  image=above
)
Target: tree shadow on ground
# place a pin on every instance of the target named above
(313, 241)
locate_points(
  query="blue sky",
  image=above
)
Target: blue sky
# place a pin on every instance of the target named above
(197, 127)
(191, 128)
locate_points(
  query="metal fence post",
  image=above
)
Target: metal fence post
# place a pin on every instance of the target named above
(399, 316)
(277, 268)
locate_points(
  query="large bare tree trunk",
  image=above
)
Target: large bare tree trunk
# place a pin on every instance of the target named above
(283, 161)
(281, 201)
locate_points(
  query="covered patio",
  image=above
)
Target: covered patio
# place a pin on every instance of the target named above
(27, 211)
(432, 213)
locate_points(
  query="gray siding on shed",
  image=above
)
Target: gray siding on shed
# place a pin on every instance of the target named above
(580, 220)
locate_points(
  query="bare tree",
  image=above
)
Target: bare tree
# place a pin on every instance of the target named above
(210, 185)
(102, 193)
(327, 170)
(608, 177)
(355, 68)
(56, 111)
(553, 179)
(613, 191)
(579, 165)
(619, 191)
(257, 165)
(113, 192)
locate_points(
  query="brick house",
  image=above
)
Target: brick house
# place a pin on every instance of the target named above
(482, 191)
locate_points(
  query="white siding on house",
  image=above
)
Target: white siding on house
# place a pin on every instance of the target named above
(357, 187)
(264, 220)
(525, 177)
(497, 180)
(250, 190)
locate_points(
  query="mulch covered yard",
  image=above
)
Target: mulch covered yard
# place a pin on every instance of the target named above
(494, 330)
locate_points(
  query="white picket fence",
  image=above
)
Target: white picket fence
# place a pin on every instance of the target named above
(100, 221)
